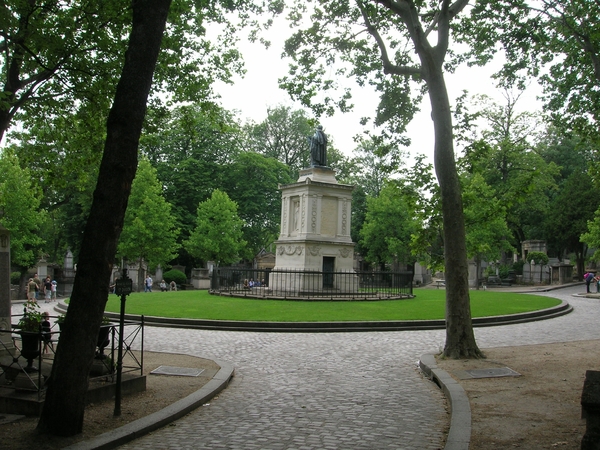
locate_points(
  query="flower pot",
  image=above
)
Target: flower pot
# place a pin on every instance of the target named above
(30, 347)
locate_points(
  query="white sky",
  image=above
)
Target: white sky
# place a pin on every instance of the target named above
(259, 89)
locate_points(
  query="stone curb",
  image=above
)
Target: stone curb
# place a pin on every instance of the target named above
(329, 327)
(459, 435)
(143, 426)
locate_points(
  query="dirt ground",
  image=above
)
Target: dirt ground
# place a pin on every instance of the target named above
(161, 391)
(540, 409)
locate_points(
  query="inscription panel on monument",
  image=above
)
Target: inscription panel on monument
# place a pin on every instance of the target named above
(329, 215)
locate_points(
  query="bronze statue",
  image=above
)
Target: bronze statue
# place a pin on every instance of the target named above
(318, 148)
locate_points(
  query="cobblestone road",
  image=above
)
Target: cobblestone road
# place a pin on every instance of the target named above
(334, 390)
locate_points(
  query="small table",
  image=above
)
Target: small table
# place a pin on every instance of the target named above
(440, 283)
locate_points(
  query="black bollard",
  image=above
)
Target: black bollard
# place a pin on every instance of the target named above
(590, 410)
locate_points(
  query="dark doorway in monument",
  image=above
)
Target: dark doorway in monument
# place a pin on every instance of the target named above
(328, 269)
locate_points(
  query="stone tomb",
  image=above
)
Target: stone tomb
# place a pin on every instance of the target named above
(314, 241)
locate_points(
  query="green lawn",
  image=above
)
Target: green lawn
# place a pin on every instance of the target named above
(428, 304)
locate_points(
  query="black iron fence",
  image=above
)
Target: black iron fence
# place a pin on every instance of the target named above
(308, 284)
(26, 357)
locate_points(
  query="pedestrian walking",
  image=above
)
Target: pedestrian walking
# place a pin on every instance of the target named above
(38, 286)
(148, 284)
(47, 287)
(31, 289)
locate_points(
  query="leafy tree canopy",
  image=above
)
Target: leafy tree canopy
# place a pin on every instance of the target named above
(218, 234)
(487, 232)
(191, 147)
(19, 211)
(554, 40)
(56, 56)
(506, 156)
(386, 232)
(253, 183)
(149, 230)
(283, 136)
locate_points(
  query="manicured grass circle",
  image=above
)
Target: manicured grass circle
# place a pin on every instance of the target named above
(429, 304)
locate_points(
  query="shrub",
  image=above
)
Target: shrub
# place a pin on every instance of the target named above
(518, 267)
(15, 278)
(504, 270)
(538, 257)
(175, 275)
(489, 271)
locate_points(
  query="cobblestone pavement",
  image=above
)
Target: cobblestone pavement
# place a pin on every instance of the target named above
(334, 390)
(308, 391)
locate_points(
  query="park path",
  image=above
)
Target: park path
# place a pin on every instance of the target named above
(335, 390)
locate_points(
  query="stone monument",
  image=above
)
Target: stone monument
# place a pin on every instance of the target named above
(314, 250)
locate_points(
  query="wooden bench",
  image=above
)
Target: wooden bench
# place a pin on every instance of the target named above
(440, 283)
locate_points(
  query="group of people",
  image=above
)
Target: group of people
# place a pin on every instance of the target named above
(590, 279)
(251, 283)
(172, 286)
(148, 283)
(37, 287)
(163, 285)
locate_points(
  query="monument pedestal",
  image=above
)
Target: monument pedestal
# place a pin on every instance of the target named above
(315, 251)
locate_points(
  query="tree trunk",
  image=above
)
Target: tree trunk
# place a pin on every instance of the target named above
(64, 406)
(460, 339)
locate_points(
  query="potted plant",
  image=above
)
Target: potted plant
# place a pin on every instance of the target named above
(30, 331)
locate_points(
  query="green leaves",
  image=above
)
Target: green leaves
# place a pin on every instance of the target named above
(19, 210)
(253, 183)
(335, 44)
(218, 233)
(387, 228)
(487, 233)
(59, 55)
(149, 230)
(558, 42)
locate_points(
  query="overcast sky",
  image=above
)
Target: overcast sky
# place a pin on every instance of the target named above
(259, 89)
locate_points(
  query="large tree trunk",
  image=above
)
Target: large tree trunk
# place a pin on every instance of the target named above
(460, 339)
(64, 406)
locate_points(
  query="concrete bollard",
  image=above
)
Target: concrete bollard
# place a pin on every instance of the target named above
(590, 410)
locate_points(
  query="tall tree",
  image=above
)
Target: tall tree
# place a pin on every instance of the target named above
(386, 232)
(191, 148)
(63, 409)
(282, 135)
(488, 235)
(370, 167)
(573, 202)
(422, 194)
(554, 40)
(19, 213)
(149, 233)
(218, 233)
(253, 183)
(57, 56)
(503, 151)
(386, 43)
(54, 150)
(571, 225)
